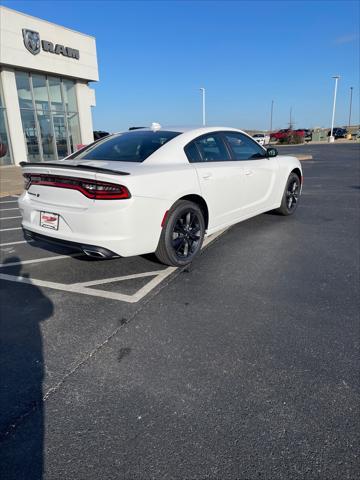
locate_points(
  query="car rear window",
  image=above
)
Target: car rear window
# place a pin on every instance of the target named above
(134, 146)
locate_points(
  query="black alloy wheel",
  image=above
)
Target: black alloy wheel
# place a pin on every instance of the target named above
(186, 234)
(182, 235)
(291, 195)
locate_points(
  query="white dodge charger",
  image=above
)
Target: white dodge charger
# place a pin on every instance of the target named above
(156, 190)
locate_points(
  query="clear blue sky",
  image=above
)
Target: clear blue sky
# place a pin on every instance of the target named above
(153, 57)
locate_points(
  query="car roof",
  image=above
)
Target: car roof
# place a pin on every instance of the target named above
(182, 129)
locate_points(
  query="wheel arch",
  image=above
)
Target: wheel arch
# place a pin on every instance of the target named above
(201, 203)
(297, 172)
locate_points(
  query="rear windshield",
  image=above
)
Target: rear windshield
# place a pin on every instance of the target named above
(133, 146)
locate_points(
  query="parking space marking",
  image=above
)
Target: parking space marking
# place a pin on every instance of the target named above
(15, 243)
(7, 209)
(9, 201)
(83, 288)
(8, 229)
(38, 260)
(118, 279)
(70, 288)
(152, 284)
(9, 218)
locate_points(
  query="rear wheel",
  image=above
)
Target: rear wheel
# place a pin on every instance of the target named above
(182, 234)
(291, 195)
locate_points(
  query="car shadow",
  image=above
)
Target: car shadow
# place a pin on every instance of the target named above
(60, 250)
(273, 212)
(151, 257)
(22, 310)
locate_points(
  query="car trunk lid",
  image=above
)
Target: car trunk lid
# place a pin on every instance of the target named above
(48, 181)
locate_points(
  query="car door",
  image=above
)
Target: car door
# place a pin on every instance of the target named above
(259, 173)
(220, 177)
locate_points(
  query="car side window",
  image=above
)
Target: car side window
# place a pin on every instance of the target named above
(212, 148)
(243, 147)
(192, 153)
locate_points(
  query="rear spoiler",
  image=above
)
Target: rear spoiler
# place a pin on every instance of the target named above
(73, 167)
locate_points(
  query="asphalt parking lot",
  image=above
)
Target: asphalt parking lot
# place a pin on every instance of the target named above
(243, 366)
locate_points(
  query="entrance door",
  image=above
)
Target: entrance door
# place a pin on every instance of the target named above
(60, 135)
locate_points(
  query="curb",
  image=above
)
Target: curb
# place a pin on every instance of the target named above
(9, 194)
(302, 158)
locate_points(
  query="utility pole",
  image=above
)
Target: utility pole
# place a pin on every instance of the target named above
(271, 115)
(202, 89)
(351, 93)
(291, 121)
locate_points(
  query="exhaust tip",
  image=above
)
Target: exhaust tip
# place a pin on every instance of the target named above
(93, 253)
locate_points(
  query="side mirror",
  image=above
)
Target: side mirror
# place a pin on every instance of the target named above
(271, 152)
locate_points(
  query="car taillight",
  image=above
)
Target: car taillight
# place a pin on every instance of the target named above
(26, 181)
(90, 188)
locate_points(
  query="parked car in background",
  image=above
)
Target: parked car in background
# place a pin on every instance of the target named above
(280, 134)
(355, 135)
(305, 133)
(262, 138)
(338, 132)
(156, 190)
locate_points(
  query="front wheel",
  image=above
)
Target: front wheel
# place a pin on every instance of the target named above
(291, 195)
(182, 235)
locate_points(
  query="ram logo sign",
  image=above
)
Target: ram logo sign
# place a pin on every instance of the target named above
(31, 41)
(33, 44)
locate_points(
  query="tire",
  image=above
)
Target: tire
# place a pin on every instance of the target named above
(182, 235)
(291, 195)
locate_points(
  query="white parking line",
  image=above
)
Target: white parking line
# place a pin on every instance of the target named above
(83, 288)
(9, 218)
(7, 209)
(38, 260)
(118, 279)
(15, 243)
(8, 229)
(9, 201)
(152, 284)
(70, 288)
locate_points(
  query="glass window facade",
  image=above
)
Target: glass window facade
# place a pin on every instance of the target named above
(49, 116)
(5, 150)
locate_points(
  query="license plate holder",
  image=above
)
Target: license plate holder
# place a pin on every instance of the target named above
(49, 220)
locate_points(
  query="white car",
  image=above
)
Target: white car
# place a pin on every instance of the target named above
(262, 138)
(156, 190)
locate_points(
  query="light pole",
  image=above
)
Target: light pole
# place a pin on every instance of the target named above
(202, 89)
(331, 138)
(271, 115)
(351, 91)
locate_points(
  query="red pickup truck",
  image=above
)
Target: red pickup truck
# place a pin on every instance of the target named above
(286, 132)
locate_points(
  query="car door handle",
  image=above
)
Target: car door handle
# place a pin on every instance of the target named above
(206, 176)
(249, 172)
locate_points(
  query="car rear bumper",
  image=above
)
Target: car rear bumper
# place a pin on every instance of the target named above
(123, 228)
(90, 250)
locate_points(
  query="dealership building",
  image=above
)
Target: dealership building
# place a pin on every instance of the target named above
(45, 98)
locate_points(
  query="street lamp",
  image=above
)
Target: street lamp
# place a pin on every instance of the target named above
(351, 93)
(202, 90)
(331, 138)
(271, 115)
